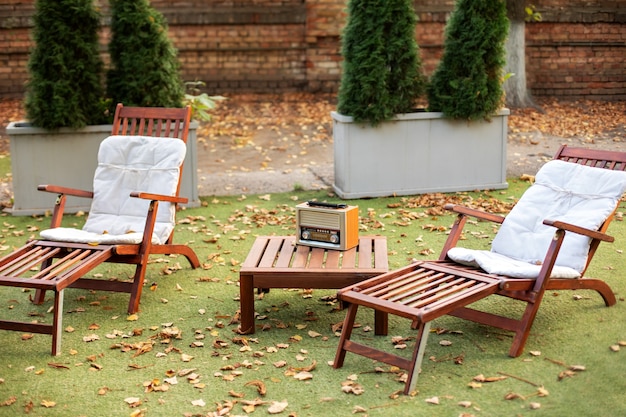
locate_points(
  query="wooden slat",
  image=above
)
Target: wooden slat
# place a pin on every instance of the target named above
(332, 259)
(348, 260)
(24, 262)
(255, 254)
(55, 268)
(455, 296)
(415, 277)
(286, 253)
(316, 260)
(301, 257)
(365, 252)
(442, 292)
(270, 254)
(380, 253)
(429, 290)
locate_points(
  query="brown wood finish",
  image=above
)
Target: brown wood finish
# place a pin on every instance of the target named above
(62, 265)
(424, 291)
(277, 262)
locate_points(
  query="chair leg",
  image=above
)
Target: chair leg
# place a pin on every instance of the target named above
(346, 332)
(57, 323)
(40, 295)
(418, 356)
(381, 323)
(523, 330)
(137, 288)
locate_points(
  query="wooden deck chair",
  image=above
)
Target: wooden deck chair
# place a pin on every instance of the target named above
(545, 243)
(132, 216)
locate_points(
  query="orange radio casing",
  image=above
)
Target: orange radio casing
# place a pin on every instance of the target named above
(330, 226)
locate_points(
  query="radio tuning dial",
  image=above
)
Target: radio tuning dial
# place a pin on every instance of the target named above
(306, 235)
(334, 238)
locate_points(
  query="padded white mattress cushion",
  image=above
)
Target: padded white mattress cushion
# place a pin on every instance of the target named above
(126, 164)
(569, 192)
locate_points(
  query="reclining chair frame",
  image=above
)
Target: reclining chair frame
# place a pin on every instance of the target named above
(424, 291)
(63, 265)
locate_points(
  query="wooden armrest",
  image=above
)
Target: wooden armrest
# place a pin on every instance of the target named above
(159, 197)
(594, 234)
(480, 214)
(57, 189)
(457, 229)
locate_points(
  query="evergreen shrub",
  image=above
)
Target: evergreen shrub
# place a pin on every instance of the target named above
(65, 84)
(144, 66)
(382, 70)
(467, 83)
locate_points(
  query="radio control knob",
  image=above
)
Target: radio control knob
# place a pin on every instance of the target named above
(334, 238)
(306, 235)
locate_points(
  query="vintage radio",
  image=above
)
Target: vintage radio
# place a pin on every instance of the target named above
(327, 225)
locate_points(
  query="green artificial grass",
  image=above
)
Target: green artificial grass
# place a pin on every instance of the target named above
(180, 355)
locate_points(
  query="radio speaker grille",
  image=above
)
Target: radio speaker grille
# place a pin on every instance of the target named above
(320, 219)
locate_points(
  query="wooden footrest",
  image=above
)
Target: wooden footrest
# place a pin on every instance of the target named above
(44, 266)
(420, 292)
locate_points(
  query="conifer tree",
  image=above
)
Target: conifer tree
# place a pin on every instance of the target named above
(382, 71)
(144, 66)
(65, 85)
(467, 83)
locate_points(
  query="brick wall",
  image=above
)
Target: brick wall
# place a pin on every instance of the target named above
(577, 50)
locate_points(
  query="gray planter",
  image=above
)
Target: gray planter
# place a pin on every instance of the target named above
(68, 157)
(418, 153)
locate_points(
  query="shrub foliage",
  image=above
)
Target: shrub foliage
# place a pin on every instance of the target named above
(144, 66)
(382, 71)
(467, 83)
(65, 85)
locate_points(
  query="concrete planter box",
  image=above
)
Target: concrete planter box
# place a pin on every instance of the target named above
(418, 153)
(68, 157)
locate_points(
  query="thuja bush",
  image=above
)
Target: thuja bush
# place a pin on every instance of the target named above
(144, 67)
(65, 85)
(467, 83)
(382, 71)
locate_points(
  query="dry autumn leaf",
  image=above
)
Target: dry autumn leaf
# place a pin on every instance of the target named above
(277, 407)
(303, 376)
(48, 403)
(260, 386)
(351, 387)
(133, 401)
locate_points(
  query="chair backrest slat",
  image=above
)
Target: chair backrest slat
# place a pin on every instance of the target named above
(152, 121)
(612, 160)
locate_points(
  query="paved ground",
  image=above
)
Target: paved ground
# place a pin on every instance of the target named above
(526, 152)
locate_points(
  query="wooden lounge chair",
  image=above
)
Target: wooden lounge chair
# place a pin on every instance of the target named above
(545, 243)
(132, 213)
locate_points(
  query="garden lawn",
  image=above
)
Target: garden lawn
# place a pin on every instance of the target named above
(181, 355)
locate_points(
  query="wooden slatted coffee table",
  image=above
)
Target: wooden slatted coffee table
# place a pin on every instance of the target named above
(277, 262)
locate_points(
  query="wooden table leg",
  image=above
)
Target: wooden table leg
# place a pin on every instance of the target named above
(246, 302)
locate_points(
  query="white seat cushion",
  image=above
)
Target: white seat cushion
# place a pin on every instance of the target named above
(126, 164)
(68, 234)
(494, 263)
(564, 191)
